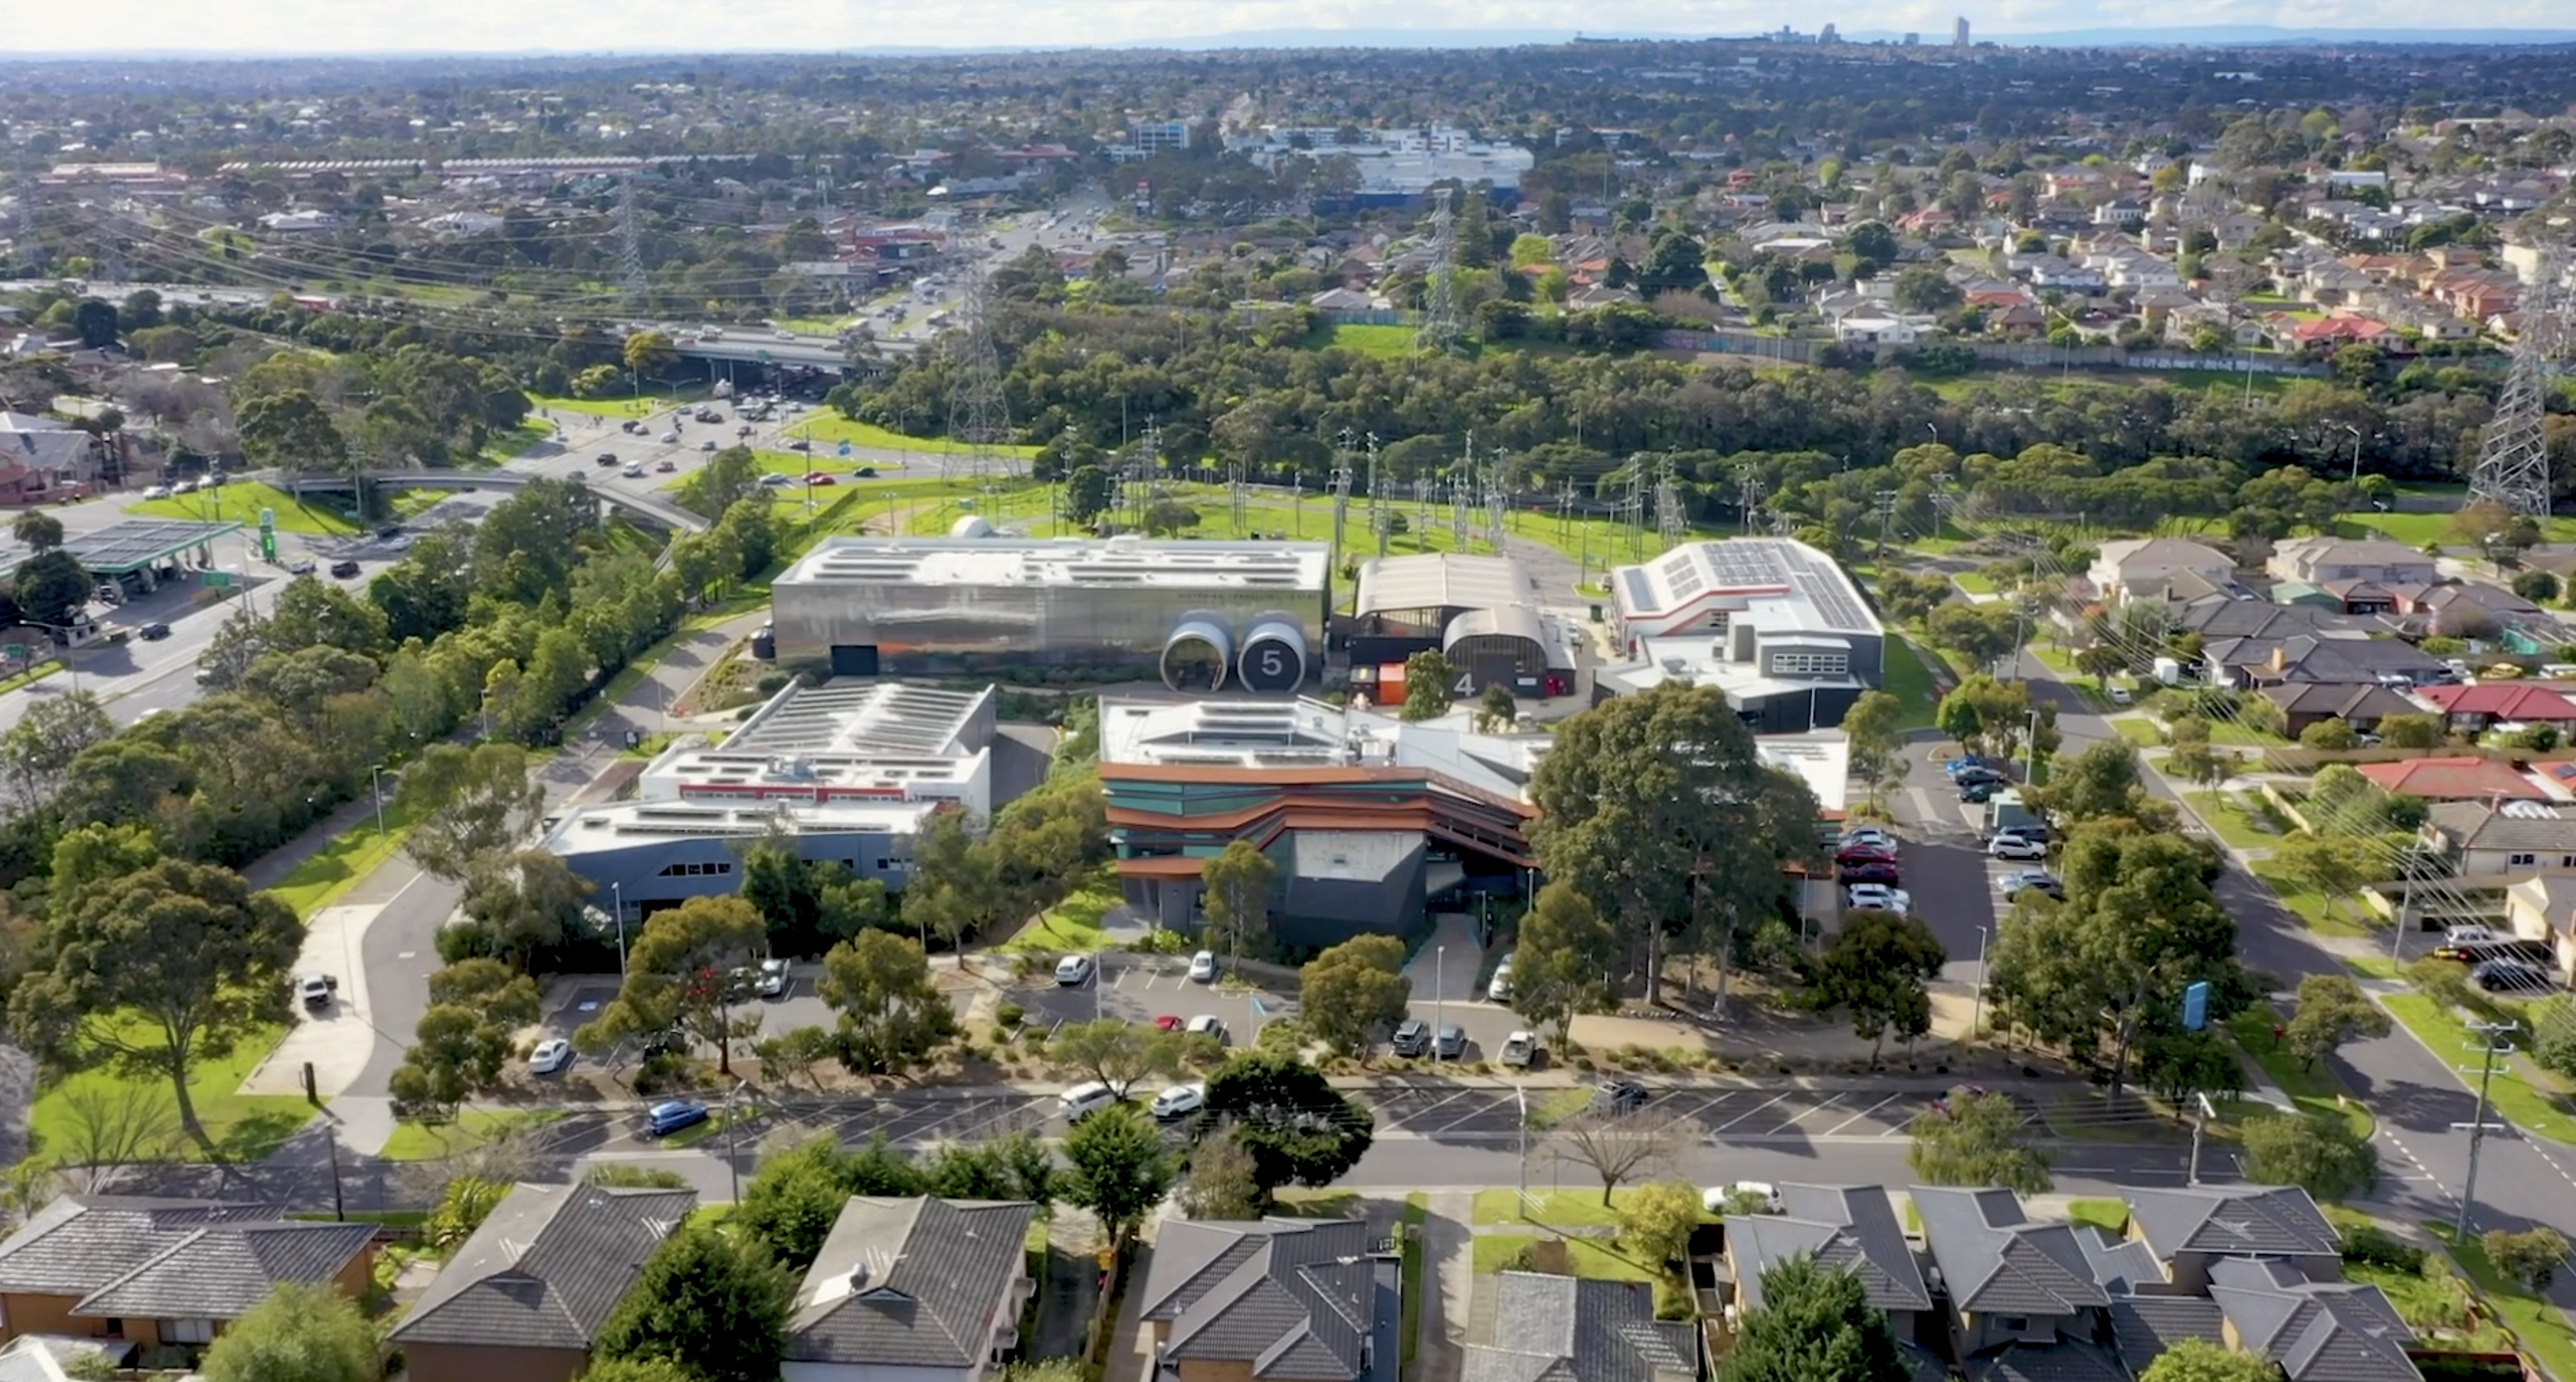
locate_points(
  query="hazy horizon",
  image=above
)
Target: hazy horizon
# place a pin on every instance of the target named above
(487, 28)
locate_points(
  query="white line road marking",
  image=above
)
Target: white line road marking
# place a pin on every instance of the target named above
(1829, 1102)
(1757, 1108)
(1864, 1113)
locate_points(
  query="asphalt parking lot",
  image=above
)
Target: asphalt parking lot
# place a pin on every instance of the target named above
(1734, 1116)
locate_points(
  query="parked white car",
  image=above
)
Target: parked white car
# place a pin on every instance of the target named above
(1519, 1049)
(1879, 896)
(551, 1056)
(1500, 989)
(1073, 971)
(1203, 967)
(1179, 1101)
(2011, 846)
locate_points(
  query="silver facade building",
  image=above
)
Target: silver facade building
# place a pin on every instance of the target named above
(1199, 616)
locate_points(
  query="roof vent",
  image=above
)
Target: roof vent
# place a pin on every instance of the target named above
(859, 1277)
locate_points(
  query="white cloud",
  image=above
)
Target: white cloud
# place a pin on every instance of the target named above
(493, 26)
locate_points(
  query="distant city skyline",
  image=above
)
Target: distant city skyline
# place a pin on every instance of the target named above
(184, 27)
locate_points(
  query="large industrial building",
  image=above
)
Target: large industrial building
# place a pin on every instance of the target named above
(1370, 819)
(1480, 612)
(848, 771)
(1774, 623)
(1199, 616)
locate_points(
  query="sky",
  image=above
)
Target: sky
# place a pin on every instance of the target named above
(518, 26)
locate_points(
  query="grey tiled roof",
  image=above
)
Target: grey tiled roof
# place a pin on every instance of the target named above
(2063, 1361)
(1756, 1243)
(1871, 1243)
(2119, 1264)
(82, 1242)
(222, 1270)
(2332, 1331)
(2145, 1326)
(909, 1282)
(2234, 1221)
(546, 1268)
(1569, 1329)
(1994, 1258)
(1291, 1298)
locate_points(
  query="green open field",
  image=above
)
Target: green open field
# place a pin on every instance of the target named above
(607, 407)
(1905, 677)
(1070, 925)
(240, 501)
(1387, 342)
(245, 1127)
(827, 428)
(320, 880)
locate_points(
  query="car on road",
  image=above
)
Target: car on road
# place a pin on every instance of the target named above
(668, 1117)
(818, 477)
(1499, 988)
(604, 458)
(1207, 1025)
(1520, 1049)
(743, 431)
(1179, 1101)
(1979, 794)
(669, 438)
(1878, 897)
(301, 566)
(773, 979)
(1618, 1096)
(2020, 881)
(550, 1057)
(154, 632)
(343, 570)
(708, 445)
(774, 480)
(709, 415)
(2011, 846)
(1073, 971)
(1412, 1037)
(1744, 1196)
(316, 990)
(1449, 1043)
(2511, 976)
(156, 492)
(1085, 1099)
(1203, 967)
(800, 444)
(2473, 935)
(634, 470)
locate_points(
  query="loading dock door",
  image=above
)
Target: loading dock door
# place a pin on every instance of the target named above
(854, 659)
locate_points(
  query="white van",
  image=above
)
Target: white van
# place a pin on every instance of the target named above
(1085, 1099)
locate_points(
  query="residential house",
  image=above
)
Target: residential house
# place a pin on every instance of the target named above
(156, 1272)
(523, 1298)
(2316, 1331)
(2503, 838)
(1297, 1300)
(2334, 333)
(56, 1358)
(300, 222)
(2318, 560)
(1847, 1227)
(2011, 1280)
(2357, 596)
(1581, 1330)
(2361, 705)
(2543, 908)
(2332, 657)
(917, 1288)
(2124, 569)
(2192, 1229)
(2453, 779)
(2476, 709)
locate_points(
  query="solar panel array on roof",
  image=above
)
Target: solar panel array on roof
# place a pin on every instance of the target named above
(1826, 589)
(1641, 592)
(1742, 563)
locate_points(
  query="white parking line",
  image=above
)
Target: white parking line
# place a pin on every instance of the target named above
(1757, 1108)
(1864, 1113)
(1829, 1102)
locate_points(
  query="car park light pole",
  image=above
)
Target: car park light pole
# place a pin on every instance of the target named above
(617, 894)
(376, 783)
(1439, 996)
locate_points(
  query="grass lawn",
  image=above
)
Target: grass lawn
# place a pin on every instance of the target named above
(2111, 1215)
(2314, 1091)
(1592, 1257)
(1903, 675)
(240, 501)
(1070, 925)
(321, 880)
(2535, 1108)
(518, 439)
(472, 1128)
(2139, 730)
(2418, 529)
(2230, 734)
(829, 428)
(2234, 824)
(2310, 905)
(1974, 582)
(1316, 1204)
(1555, 1208)
(601, 407)
(2542, 1327)
(245, 1127)
(1389, 342)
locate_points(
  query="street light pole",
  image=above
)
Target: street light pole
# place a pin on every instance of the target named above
(1439, 995)
(1977, 1010)
(617, 891)
(376, 783)
(2494, 1040)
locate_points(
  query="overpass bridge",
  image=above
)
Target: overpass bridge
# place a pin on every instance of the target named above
(813, 352)
(652, 509)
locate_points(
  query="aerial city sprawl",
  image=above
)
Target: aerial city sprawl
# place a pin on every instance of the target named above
(1847, 701)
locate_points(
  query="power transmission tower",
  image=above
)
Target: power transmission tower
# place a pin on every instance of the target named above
(1886, 519)
(1632, 505)
(2513, 454)
(1381, 518)
(1672, 526)
(1341, 490)
(1462, 484)
(1748, 495)
(1440, 329)
(978, 416)
(2494, 1039)
(1498, 492)
(630, 244)
(1234, 494)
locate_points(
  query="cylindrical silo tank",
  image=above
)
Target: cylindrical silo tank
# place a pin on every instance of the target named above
(971, 526)
(1274, 656)
(1197, 652)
